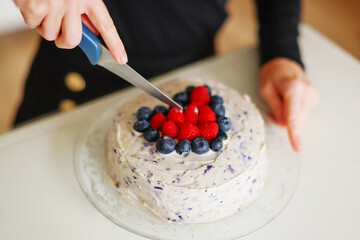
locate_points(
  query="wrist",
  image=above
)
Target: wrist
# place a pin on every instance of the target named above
(281, 62)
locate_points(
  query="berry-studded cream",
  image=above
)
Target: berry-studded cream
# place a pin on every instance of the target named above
(197, 165)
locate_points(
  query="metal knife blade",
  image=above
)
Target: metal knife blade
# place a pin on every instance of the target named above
(127, 73)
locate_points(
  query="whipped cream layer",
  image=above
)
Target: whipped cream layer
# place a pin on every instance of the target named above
(195, 188)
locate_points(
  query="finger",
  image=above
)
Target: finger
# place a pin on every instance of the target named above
(85, 19)
(100, 17)
(70, 32)
(272, 118)
(51, 25)
(272, 97)
(293, 99)
(33, 14)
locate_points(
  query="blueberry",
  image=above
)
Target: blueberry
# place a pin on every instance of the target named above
(160, 109)
(216, 144)
(189, 89)
(165, 144)
(224, 123)
(151, 134)
(218, 109)
(208, 88)
(221, 135)
(181, 97)
(144, 113)
(141, 125)
(183, 147)
(199, 145)
(216, 99)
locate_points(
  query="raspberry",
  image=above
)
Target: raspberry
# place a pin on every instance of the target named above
(157, 121)
(188, 131)
(169, 128)
(176, 116)
(191, 114)
(208, 130)
(206, 114)
(200, 95)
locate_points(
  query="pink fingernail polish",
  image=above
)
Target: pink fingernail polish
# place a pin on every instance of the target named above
(124, 59)
(298, 147)
(118, 59)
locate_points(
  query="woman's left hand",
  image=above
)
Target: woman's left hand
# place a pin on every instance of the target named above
(284, 86)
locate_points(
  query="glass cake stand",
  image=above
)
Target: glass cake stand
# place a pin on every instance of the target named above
(89, 164)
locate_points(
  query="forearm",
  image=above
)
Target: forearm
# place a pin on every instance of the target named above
(278, 32)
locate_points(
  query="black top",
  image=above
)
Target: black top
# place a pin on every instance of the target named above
(278, 20)
(159, 35)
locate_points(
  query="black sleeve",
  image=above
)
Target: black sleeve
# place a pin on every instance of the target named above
(278, 32)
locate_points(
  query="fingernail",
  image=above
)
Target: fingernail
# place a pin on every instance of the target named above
(298, 146)
(117, 59)
(121, 59)
(124, 59)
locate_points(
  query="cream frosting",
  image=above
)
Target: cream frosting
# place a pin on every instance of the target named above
(195, 188)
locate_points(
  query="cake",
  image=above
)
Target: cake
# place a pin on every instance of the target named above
(192, 187)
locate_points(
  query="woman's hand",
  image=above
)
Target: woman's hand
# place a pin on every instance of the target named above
(284, 86)
(60, 21)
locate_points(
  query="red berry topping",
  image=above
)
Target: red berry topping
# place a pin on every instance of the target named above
(188, 131)
(200, 95)
(206, 114)
(157, 121)
(208, 130)
(176, 116)
(169, 128)
(191, 114)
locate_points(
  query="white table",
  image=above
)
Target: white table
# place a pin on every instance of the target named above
(11, 19)
(41, 199)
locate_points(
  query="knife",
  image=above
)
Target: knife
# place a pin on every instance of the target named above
(98, 54)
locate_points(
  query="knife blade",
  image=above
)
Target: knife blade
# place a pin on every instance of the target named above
(100, 55)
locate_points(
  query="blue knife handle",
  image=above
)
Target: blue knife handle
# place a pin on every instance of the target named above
(90, 45)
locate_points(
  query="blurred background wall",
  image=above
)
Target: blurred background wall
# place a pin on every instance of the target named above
(339, 20)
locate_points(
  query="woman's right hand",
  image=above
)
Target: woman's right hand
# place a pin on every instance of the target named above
(60, 21)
